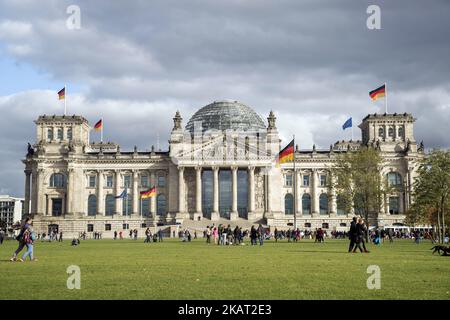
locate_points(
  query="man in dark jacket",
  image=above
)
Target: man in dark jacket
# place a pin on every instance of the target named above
(353, 234)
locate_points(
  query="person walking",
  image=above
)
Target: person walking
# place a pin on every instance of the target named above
(60, 236)
(215, 235)
(115, 235)
(147, 236)
(364, 231)
(253, 235)
(160, 236)
(25, 226)
(353, 234)
(229, 235)
(261, 234)
(2, 236)
(28, 238)
(208, 235)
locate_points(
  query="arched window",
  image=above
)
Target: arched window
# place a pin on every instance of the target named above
(401, 132)
(306, 204)
(323, 203)
(161, 204)
(60, 133)
(288, 204)
(381, 132)
(69, 134)
(394, 179)
(340, 205)
(92, 205)
(50, 134)
(58, 180)
(127, 205)
(145, 209)
(391, 132)
(110, 205)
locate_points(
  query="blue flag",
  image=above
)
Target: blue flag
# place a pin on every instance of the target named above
(123, 195)
(347, 124)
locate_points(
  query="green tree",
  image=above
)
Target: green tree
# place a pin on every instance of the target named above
(432, 191)
(357, 179)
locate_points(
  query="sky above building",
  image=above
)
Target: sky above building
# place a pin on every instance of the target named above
(135, 63)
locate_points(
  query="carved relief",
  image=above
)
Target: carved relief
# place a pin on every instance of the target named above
(259, 190)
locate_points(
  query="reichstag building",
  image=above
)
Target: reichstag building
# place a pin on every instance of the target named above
(219, 168)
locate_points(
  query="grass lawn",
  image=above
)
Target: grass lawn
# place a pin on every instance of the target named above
(130, 269)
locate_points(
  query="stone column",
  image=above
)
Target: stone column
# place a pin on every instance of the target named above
(215, 213)
(251, 193)
(181, 198)
(198, 191)
(153, 199)
(69, 191)
(314, 195)
(333, 200)
(297, 197)
(234, 210)
(117, 191)
(34, 193)
(26, 208)
(268, 187)
(100, 197)
(40, 196)
(135, 209)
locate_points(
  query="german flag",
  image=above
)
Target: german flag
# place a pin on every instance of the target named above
(378, 92)
(148, 193)
(62, 94)
(99, 125)
(287, 154)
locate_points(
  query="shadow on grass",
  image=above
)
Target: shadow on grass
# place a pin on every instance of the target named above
(319, 251)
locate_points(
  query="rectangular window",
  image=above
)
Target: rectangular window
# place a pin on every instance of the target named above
(109, 181)
(144, 181)
(161, 181)
(394, 204)
(306, 181)
(127, 181)
(323, 181)
(108, 227)
(69, 134)
(125, 226)
(92, 181)
(288, 180)
(90, 228)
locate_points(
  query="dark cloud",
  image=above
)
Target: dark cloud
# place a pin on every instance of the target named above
(312, 62)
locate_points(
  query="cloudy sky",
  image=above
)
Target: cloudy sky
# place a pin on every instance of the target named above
(135, 63)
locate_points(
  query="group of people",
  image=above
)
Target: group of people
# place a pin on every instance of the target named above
(224, 235)
(157, 236)
(357, 235)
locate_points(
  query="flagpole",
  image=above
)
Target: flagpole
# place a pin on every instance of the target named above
(385, 97)
(101, 132)
(295, 188)
(141, 207)
(65, 99)
(352, 130)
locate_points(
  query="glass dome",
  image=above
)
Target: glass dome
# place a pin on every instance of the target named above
(224, 115)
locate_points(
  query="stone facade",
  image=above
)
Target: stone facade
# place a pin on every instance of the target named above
(72, 183)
